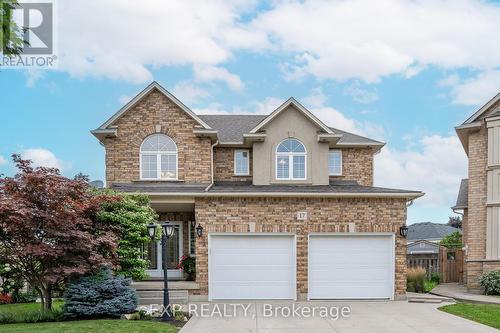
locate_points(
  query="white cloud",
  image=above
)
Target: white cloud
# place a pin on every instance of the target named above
(2, 160)
(316, 98)
(360, 39)
(449, 81)
(477, 90)
(213, 73)
(122, 40)
(367, 40)
(43, 157)
(434, 165)
(124, 99)
(32, 76)
(360, 95)
(188, 92)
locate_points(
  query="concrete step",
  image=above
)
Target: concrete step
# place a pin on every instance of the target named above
(147, 297)
(158, 285)
(428, 298)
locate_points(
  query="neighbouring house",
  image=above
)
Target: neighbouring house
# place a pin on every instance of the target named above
(423, 244)
(286, 203)
(428, 232)
(479, 195)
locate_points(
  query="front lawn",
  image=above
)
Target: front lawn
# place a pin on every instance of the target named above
(487, 314)
(91, 326)
(22, 308)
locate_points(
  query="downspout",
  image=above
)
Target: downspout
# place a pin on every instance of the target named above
(212, 165)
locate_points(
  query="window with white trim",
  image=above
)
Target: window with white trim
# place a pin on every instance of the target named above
(291, 157)
(335, 162)
(158, 158)
(241, 162)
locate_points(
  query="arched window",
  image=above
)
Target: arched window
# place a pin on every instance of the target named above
(159, 158)
(291, 157)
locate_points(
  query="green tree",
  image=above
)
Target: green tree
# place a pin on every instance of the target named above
(455, 222)
(453, 240)
(11, 35)
(133, 213)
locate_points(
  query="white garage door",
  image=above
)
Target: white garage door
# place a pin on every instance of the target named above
(351, 266)
(251, 267)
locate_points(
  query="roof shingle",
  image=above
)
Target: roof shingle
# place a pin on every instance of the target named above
(232, 127)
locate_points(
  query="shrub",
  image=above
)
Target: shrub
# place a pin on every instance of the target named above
(100, 295)
(7, 318)
(27, 297)
(416, 276)
(5, 299)
(429, 285)
(435, 277)
(31, 316)
(490, 282)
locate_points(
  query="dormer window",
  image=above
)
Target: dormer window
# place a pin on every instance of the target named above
(291, 159)
(158, 160)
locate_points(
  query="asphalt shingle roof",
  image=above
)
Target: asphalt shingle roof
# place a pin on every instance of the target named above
(429, 230)
(463, 196)
(338, 186)
(159, 187)
(232, 127)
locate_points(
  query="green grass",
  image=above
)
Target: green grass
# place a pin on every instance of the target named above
(92, 326)
(22, 308)
(487, 314)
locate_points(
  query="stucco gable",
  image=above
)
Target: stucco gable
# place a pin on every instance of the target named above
(291, 102)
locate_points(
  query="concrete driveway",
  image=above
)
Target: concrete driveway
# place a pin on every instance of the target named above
(370, 317)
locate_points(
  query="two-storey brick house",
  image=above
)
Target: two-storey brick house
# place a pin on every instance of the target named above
(286, 203)
(479, 195)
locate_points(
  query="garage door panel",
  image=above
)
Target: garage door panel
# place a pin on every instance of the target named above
(252, 273)
(351, 267)
(252, 267)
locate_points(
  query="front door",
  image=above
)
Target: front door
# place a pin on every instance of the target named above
(174, 253)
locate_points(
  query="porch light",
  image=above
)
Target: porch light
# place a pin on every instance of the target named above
(199, 230)
(168, 229)
(152, 230)
(193, 224)
(403, 231)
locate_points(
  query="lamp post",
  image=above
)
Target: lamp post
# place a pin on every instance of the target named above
(167, 232)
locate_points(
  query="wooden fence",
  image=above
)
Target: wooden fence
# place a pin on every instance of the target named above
(448, 263)
(429, 261)
(451, 262)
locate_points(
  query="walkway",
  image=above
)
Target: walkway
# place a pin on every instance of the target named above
(460, 293)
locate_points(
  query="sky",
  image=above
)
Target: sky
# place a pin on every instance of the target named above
(404, 72)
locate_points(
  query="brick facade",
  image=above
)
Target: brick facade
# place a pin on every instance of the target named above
(122, 152)
(277, 215)
(357, 164)
(475, 224)
(224, 165)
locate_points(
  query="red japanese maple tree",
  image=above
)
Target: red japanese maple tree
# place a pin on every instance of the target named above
(48, 228)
